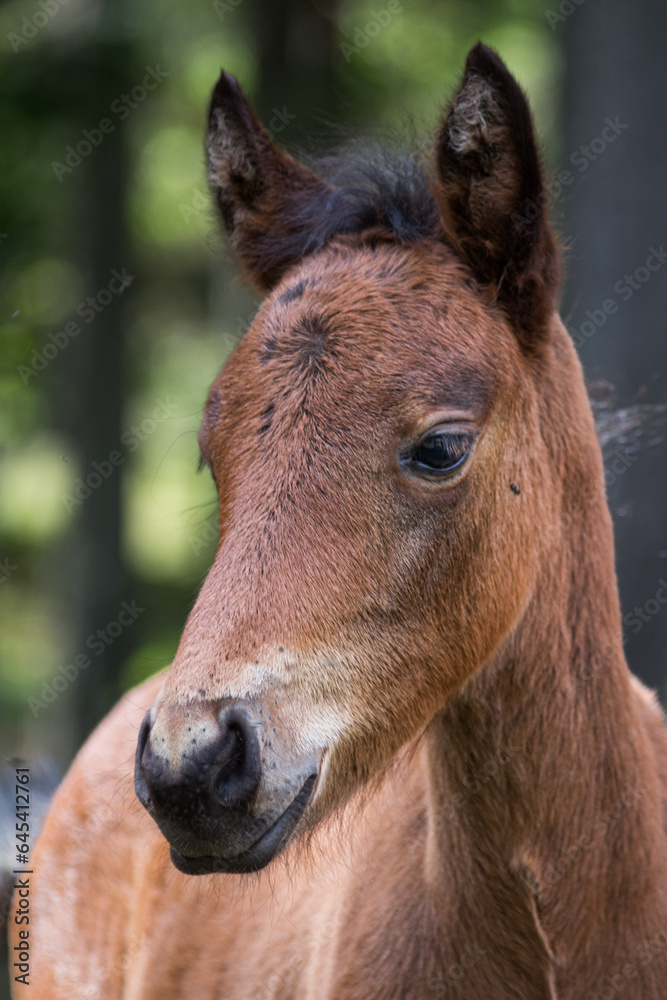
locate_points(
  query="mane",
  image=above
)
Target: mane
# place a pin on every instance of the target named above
(374, 186)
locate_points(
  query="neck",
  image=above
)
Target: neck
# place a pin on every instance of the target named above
(546, 812)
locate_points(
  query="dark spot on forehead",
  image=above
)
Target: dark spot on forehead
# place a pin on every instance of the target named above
(266, 419)
(312, 333)
(270, 349)
(292, 294)
(305, 344)
(313, 326)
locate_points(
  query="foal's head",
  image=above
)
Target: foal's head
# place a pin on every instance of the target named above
(383, 445)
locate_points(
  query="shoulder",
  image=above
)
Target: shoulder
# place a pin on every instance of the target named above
(94, 841)
(99, 785)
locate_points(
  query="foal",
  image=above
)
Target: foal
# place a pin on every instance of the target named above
(407, 653)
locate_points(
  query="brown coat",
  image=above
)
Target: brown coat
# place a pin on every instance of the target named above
(437, 639)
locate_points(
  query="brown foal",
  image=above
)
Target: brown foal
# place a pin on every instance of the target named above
(401, 697)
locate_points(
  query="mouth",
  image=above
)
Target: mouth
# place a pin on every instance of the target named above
(262, 851)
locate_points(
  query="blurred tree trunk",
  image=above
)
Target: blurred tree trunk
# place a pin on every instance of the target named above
(616, 219)
(296, 98)
(297, 94)
(96, 407)
(89, 396)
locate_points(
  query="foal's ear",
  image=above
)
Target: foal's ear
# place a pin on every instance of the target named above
(266, 198)
(491, 194)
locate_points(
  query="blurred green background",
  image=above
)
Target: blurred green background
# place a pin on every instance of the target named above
(102, 119)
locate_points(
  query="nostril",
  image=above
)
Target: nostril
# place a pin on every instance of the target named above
(223, 774)
(228, 765)
(140, 783)
(237, 766)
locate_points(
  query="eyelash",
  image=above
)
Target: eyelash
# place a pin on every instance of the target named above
(458, 446)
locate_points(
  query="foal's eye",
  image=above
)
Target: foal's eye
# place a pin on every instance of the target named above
(439, 454)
